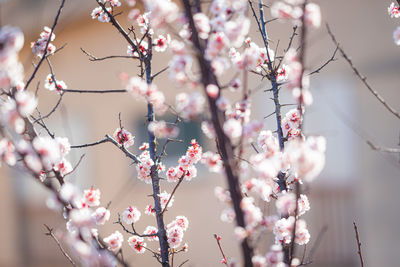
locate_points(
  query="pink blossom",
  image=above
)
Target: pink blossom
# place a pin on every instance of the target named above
(7, 152)
(91, 197)
(98, 13)
(393, 11)
(114, 241)
(150, 210)
(212, 90)
(151, 230)
(124, 137)
(164, 197)
(50, 85)
(137, 244)
(101, 215)
(212, 161)
(202, 25)
(39, 46)
(163, 130)
(232, 128)
(26, 102)
(312, 16)
(189, 106)
(131, 215)
(161, 43)
(64, 167)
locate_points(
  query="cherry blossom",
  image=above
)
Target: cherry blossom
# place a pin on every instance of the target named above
(131, 215)
(189, 106)
(91, 197)
(114, 241)
(161, 129)
(7, 152)
(124, 137)
(39, 46)
(137, 244)
(164, 197)
(101, 215)
(312, 15)
(393, 11)
(161, 43)
(233, 128)
(149, 231)
(99, 14)
(50, 85)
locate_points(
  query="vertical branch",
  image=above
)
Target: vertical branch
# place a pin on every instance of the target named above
(275, 88)
(358, 244)
(155, 179)
(224, 143)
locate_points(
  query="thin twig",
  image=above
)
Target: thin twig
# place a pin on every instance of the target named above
(358, 244)
(383, 149)
(133, 232)
(51, 234)
(93, 91)
(94, 58)
(361, 77)
(332, 58)
(173, 192)
(218, 238)
(47, 45)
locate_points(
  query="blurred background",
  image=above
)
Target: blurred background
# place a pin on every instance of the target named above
(357, 184)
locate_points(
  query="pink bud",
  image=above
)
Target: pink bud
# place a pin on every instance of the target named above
(212, 90)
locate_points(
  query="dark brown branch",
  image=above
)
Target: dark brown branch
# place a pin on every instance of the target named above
(173, 192)
(93, 91)
(358, 244)
(133, 232)
(217, 238)
(76, 166)
(332, 58)
(51, 234)
(47, 45)
(116, 24)
(91, 144)
(361, 77)
(94, 58)
(113, 141)
(158, 73)
(224, 144)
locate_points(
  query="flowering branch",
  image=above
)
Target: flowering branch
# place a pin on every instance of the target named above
(133, 232)
(173, 192)
(47, 45)
(51, 234)
(224, 144)
(224, 260)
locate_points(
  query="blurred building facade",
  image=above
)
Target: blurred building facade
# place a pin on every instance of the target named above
(358, 184)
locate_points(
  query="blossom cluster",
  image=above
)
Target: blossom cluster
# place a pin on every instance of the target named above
(11, 70)
(83, 217)
(147, 92)
(291, 10)
(51, 84)
(45, 39)
(186, 168)
(124, 138)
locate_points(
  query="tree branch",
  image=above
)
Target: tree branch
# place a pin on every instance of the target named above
(361, 77)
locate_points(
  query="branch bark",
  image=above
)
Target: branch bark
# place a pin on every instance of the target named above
(224, 143)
